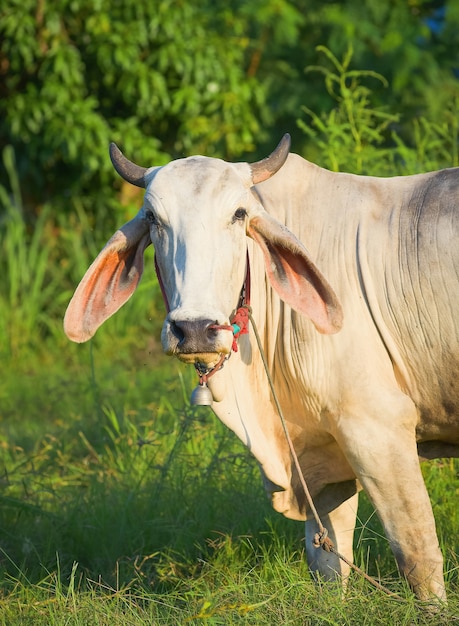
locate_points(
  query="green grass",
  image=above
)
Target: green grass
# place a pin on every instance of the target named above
(121, 504)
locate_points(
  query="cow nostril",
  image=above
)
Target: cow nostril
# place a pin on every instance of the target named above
(178, 331)
(196, 334)
(212, 329)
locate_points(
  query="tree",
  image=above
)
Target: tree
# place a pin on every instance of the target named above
(412, 44)
(157, 77)
(168, 78)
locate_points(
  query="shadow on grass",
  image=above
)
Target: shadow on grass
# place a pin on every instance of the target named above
(147, 496)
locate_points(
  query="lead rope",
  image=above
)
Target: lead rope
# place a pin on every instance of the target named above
(321, 539)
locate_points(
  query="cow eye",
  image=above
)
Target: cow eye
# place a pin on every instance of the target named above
(150, 217)
(240, 214)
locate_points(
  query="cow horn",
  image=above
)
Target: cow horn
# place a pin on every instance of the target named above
(264, 169)
(131, 172)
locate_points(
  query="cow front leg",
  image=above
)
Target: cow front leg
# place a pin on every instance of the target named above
(385, 461)
(340, 524)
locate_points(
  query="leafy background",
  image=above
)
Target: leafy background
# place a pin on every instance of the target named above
(168, 78)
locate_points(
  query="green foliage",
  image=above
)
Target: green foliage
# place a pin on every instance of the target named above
(30, 296)
(166, 79)
(150, 76)
(435, 143)
(410, 43)
(42, 259)
(363, 138)
(351, 135)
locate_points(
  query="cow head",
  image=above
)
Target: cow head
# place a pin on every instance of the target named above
(197, 213)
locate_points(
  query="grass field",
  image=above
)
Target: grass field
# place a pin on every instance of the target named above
(121, 504)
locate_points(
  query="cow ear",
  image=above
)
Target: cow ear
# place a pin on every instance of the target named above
(109, 282)
(294, 276)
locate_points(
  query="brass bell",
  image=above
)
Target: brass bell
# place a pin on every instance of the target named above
(201, 396)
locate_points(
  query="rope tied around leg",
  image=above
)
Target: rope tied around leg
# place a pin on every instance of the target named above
(322, 540)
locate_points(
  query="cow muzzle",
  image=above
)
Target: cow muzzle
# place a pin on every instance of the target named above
(196, 340)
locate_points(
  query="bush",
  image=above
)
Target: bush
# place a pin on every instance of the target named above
(363, 138)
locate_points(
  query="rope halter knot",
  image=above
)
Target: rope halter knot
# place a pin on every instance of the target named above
(240, 324)
(322, 540)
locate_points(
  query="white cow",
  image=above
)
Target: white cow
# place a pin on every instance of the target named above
(363, 404)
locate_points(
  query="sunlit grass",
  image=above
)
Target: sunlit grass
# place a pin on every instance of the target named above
(121, 504)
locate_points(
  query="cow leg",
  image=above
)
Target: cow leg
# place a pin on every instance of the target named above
(340, 524)
(385, 461)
